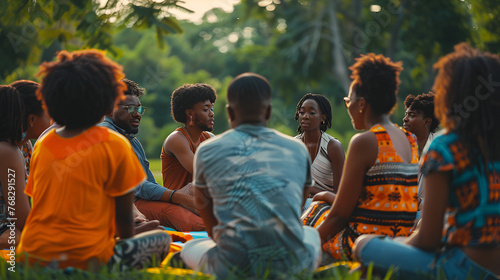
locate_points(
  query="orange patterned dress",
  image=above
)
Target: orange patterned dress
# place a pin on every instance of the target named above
(388, 203)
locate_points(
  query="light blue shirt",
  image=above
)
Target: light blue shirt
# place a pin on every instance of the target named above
(256, 178)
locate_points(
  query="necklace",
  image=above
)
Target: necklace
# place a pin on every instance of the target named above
(313, 156)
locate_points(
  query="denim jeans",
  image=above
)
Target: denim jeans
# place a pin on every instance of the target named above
(414, 263)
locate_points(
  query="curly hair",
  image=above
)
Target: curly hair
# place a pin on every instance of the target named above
(424, 104)
(80, 87)
(376, 78)
(31, 104)
(186, 96)
(324, 105)
(467, 89)
(11, 114)
(133, 88)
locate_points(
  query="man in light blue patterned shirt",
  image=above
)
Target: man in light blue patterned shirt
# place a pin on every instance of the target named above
(250, 183)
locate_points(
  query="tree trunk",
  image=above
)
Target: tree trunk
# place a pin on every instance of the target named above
(393, 42)
(339, 64)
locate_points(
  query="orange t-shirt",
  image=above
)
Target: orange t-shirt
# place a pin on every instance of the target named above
(175, 176)
(73, 183)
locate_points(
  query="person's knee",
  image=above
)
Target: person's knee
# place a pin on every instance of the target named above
(360, 243)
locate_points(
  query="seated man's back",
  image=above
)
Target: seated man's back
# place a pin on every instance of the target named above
(250, 183)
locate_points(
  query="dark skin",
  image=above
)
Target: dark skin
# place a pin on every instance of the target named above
(310, 119)
(130, 123)
(415, 123)
(12, 180)
(177, 145)
(361, 155)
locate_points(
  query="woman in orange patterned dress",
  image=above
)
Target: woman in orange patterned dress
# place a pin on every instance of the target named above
(378, 189)
(458, 236)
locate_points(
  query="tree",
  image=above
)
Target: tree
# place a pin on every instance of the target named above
(28, 27)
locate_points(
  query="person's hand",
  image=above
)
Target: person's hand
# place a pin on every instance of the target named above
(147, 226)
(140, 218)
(185, 200)
(187, 189)
(326, 196)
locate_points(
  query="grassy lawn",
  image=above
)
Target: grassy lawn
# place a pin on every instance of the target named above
(334, 272)
(155, 166)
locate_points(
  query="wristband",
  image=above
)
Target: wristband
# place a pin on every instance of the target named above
(171, 194)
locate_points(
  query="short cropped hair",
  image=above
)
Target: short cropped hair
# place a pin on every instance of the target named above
(324, 105)
(186, 96)
(133, 88)
(467, 97)
(424, 104)
(376, 78)
(11, 114)
(31, 104)
(80, 87)
(249, 91)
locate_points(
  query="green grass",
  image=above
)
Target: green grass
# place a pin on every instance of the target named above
(335, 272)
(155, 167)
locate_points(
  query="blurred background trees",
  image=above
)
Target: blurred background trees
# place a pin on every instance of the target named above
(301, 46)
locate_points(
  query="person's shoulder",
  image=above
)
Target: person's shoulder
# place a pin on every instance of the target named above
(176, 135)
(224, 138)
(107, 125)
(331, 139)
(364, 138)
(443, 139)
(7, 150)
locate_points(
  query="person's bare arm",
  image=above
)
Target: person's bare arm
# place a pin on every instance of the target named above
(337, 158)
(430, 229)
(361, 155)
(124, 215)
(178, 145)
(204, 204)
(13, 181)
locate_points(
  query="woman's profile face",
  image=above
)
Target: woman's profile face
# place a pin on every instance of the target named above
(310, 115)
(351, 102)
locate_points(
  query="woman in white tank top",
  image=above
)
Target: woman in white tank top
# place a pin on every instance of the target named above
(314, 114)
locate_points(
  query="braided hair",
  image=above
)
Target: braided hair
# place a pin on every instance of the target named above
(324, 105)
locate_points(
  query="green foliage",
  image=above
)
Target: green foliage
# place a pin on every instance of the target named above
(28, 27)
(291, 42)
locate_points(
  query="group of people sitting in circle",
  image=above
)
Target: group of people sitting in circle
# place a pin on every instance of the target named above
(422, 200)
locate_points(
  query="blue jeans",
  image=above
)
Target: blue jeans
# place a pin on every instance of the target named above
(414, 263)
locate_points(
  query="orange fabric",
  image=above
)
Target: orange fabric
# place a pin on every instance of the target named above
(179, 236)
(174, 174)
(73, 183)
(389, 202)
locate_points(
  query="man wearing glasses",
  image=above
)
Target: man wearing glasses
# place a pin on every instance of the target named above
(125, 120)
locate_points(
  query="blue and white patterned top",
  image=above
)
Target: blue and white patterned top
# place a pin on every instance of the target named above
(256, 178)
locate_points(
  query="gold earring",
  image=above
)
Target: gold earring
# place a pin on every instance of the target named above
(361, 111)
(191, 123)
(31, 124)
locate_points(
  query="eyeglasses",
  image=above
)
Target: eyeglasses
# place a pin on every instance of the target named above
(348, 100)
(134, 109)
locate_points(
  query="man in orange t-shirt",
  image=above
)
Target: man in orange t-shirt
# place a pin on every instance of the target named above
(83, 177)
